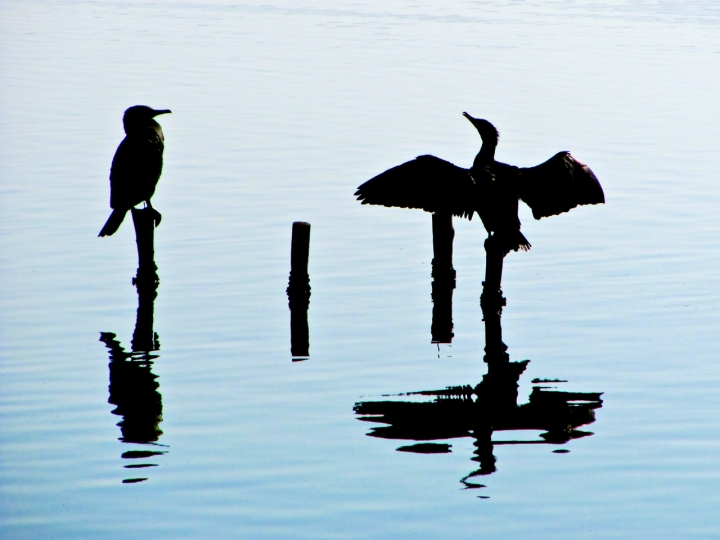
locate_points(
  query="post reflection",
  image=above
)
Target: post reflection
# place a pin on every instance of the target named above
(133, 386)
(487, 412)
(298, 292)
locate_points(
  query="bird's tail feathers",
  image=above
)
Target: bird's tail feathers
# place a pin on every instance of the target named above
(523, 243)
(513, 241)
(113, 223)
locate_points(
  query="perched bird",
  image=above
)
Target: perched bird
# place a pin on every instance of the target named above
(137, 165)
(490, 188)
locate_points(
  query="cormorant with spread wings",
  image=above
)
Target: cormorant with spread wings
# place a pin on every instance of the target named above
(490, 188)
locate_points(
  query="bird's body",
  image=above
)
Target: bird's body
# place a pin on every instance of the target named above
(137, 165)
(489, 187)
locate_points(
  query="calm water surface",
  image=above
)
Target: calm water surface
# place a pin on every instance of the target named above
(279, 111)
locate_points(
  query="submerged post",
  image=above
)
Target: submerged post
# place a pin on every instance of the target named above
(144, 338)
(443, 275)
(299, 334)
(492, 302)
(300, 248)
(443, 285)
(493, 266)
(144, 222)
(443, 236)
(298, 291)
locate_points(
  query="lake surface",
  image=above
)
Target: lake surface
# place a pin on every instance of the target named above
(280, 110)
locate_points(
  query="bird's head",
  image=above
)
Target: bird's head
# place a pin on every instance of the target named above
(487, 131)
(141, 116)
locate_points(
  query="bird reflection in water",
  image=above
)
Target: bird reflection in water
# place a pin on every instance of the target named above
(133, 386)
(486, 408)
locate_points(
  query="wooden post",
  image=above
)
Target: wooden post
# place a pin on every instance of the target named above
(299, 335)
(300, 248)
(442, 319)
(443, 275)
(144, 338)
(144, 222)
(443, 236)
(493, 265)
(298, 291)
(494, 346)
(492, 302)
(146, 281)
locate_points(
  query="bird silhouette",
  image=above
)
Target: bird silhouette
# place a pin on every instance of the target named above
(489, 187)
(137, 165)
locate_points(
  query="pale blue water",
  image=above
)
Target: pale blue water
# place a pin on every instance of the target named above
(279, 112)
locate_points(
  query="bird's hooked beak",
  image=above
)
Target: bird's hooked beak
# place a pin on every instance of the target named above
(161, 111)
(485, 128)
(473, 121)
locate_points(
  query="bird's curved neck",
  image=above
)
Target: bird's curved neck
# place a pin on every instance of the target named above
(486, 155)
(142, 129)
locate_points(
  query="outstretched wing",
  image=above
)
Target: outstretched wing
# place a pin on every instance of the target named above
(426, 182)
(558, 185)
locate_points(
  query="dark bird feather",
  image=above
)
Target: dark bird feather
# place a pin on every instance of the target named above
(558, 185)
(137, 165)
(427, 182)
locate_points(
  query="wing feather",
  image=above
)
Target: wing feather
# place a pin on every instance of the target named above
(428, 183)
(135, 170)
(558, 185)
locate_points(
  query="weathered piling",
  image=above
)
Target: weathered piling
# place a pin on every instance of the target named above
(144, 338)
(492, 302)
(443, 275)
(299, 335)
(144, 222)
(298, 291)
(494, 256)
(300, 247)
(146, 281)
(442, 296)
(443, 236)
(299, 283)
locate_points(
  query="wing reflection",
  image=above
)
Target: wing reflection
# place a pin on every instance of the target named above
(133, 386)
(298, 293)
(488, 412)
